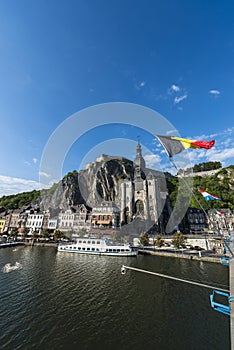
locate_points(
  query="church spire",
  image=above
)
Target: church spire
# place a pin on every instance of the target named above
(139, 160)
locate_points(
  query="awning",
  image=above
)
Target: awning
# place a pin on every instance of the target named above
(104, 222)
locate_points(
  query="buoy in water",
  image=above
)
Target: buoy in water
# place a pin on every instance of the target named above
(123, 270)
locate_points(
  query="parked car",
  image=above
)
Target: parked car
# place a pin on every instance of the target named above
(197, 247)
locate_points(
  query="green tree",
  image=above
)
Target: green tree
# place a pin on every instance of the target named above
(46, 233)
(126, 239)
(59, 235)
(35, 234)
(14, 232)
(82, 232)
(178, 240)
(144, 238)
(25, 231)
(159, 241)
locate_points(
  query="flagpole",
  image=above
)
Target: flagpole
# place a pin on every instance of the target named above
(207, 217)
(167, 142)
(190, 190)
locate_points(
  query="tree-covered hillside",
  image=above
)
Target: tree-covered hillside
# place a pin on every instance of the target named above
(221, 185)
(16, 201)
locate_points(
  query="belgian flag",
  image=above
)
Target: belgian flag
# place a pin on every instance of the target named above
(174, 144)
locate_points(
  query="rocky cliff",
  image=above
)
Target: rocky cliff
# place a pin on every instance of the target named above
(100, 181)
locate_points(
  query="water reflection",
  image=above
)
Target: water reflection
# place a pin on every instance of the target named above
(71, 301)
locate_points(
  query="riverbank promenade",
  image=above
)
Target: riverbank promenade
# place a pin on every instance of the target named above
(10, 244)
(203, 255)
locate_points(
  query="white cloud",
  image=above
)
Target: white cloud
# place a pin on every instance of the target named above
(230, 129)
(34, 161)
(175, 88)
(214, 92)
(155, 141)
(180, 98)
(221, 155)
(152, 160)
(227, 142)
(13, 185)
(201, 137)
(42, 173)
(142, 84)
(169, 169)
(224, 133)
(173, 92)
(171, 132)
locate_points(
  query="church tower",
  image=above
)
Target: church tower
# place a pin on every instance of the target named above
(140, 208)
(139, 163)
(142, 198)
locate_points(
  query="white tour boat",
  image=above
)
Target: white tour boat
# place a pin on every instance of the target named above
(98, 247)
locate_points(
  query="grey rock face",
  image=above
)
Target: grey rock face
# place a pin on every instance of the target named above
(100, 181)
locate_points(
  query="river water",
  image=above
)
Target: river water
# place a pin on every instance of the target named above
(69, 301)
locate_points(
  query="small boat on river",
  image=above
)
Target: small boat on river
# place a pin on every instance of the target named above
(97, 247)
(8, 267)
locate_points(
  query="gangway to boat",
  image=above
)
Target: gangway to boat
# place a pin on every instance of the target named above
(217, 306)
(224, 260)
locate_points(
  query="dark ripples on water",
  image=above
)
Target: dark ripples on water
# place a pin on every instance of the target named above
(72, 301)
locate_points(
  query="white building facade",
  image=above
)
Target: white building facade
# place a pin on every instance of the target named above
(35, 221)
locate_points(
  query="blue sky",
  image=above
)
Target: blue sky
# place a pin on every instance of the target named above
(60, 57)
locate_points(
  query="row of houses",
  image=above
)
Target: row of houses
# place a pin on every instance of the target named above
(196, 220)
(105, 215)
(76, 218)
